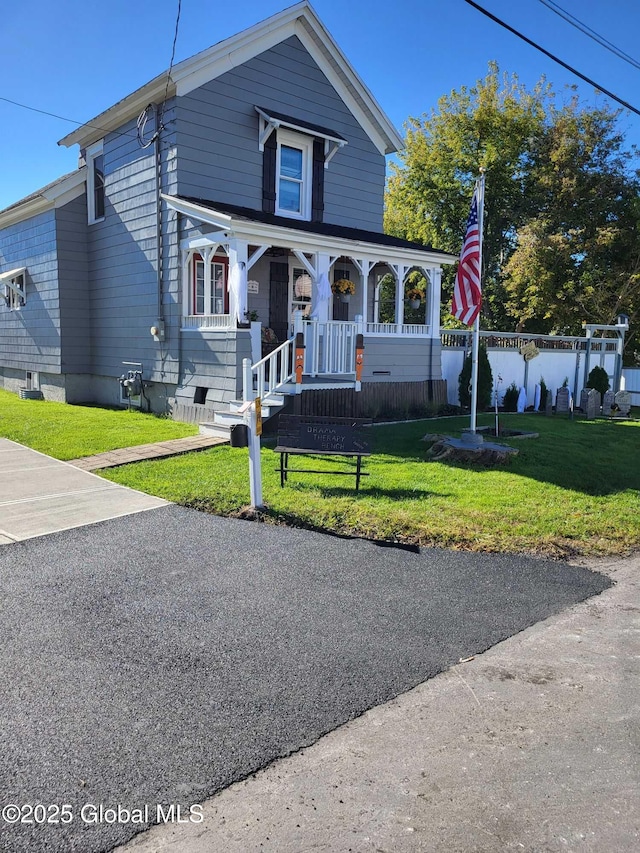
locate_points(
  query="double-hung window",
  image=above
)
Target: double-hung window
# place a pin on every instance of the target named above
(295, 156)
(95, 183)
(294, 163)
(210, 296)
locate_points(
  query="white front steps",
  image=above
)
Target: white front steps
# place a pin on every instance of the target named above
(224, 419)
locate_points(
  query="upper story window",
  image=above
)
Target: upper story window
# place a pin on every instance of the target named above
(95, 182)
(294, 162)
(295, 156)
(15, 295)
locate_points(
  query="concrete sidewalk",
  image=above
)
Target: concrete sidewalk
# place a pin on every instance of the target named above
(144, 452)
(41, 495)
(531, 746)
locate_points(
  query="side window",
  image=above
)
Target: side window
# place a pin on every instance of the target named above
(95, 182)
(210, 297)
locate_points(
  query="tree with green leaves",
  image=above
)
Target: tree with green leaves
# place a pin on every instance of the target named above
(562, 215)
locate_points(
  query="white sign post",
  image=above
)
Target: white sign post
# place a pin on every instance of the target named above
(252, 414)
(254, 427)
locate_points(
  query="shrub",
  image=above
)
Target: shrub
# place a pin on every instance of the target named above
(598, 379)
(485, 381)
(510, 400)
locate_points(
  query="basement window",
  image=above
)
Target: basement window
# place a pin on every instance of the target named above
(200, 396)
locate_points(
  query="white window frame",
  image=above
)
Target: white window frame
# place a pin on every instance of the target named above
(304, 144)
(91, 154)
(219, 259)
(295, 304)
(15, 292)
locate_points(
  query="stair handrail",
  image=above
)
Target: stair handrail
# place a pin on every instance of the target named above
(280, 372)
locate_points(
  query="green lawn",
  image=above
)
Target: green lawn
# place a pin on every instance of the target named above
(572, 491)
(68, 432)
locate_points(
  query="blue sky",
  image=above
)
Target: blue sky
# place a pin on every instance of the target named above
(76, 58)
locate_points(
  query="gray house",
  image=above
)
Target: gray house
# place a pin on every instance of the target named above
(212, 212)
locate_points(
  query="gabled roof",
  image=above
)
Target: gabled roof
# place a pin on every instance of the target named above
(299, 20)
(57, 193)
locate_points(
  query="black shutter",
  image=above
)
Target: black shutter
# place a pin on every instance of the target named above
(269, 174)
(317, 185)
(279, 300)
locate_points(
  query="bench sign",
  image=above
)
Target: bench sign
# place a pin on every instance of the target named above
(332, 438)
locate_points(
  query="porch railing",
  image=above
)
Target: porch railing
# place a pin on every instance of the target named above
(269, 374)
(330, 348)
(208, 321)
(397, 329)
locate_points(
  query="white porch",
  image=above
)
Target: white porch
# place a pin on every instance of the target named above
(257, 303)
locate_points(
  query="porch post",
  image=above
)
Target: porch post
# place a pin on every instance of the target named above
(238, 252)
(432, 316)
(399, 270)
(364, 267)
(187, 307)
(207, 254)
(320, 308)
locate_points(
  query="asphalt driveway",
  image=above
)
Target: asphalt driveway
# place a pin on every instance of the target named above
(159, 657)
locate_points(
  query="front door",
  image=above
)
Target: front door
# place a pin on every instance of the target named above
(279, 300)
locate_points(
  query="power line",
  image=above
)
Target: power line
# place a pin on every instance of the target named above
(173, 56)
(570, 68)
(63, 118)
(590, 33)
(130, 134)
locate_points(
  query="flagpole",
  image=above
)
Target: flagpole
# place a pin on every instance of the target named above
(476, 325)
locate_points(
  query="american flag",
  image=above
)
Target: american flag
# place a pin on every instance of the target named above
(467, 296)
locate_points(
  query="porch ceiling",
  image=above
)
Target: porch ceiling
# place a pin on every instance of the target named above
(257, 227)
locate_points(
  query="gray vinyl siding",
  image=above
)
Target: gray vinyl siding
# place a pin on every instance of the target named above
(73, 278)
(213, 360)
(217, 136)
(406, 359)
(122, 261)
(30, 337)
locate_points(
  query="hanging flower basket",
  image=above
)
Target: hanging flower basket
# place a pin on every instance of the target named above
(415, 297)
(344, 288)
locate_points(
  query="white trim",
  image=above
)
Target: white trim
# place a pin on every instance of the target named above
(269, 123)
(91, 154)
(255, 257)
(300, 20)
(14, 294)
(12, 273)
(278, 235)
(57, 196)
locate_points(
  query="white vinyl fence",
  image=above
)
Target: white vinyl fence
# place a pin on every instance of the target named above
(558, 358)
(631, 383)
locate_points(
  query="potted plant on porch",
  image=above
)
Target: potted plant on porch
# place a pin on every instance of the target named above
(344, 288)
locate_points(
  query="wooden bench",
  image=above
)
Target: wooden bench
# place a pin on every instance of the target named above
(321, 436)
